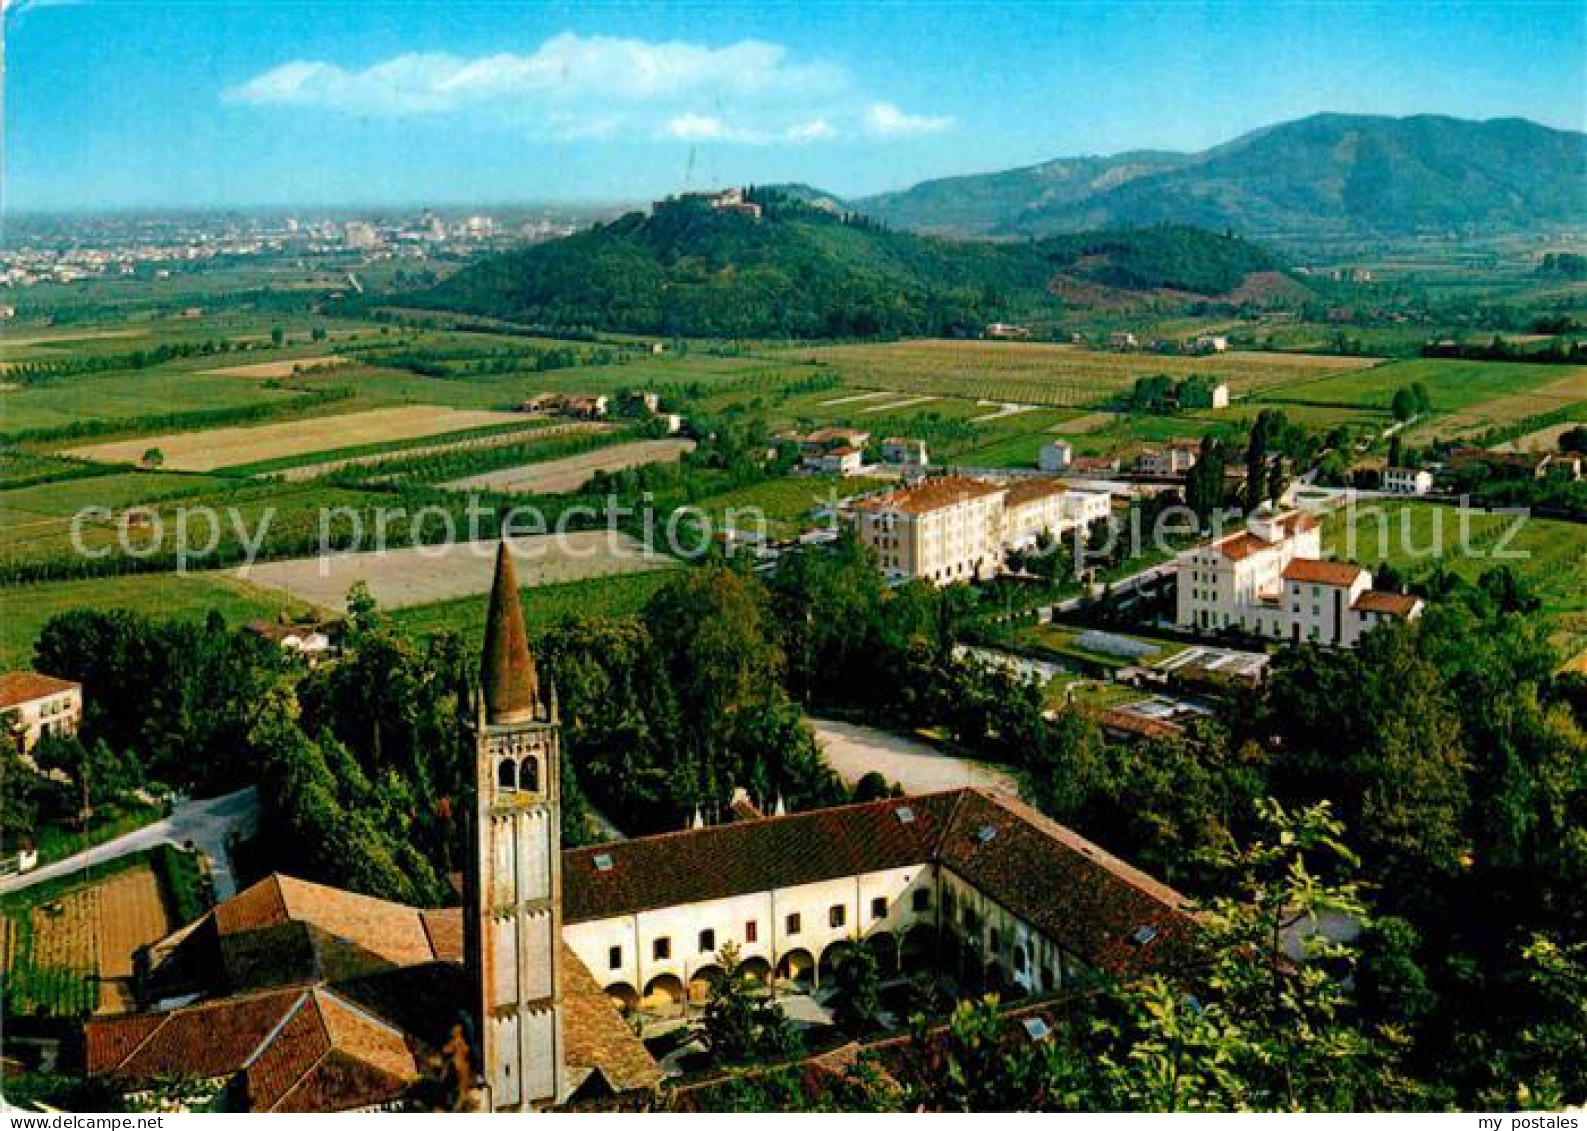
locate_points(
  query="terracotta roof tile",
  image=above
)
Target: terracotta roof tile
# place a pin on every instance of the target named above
(1315, 572)
(1088, 901)
(596, 1037)
(110, 1041)
(209, 1040)
(932, 494)
(745, 856)
(1021, 491)
(24, 687)
(1394, 604)
(1238, 547)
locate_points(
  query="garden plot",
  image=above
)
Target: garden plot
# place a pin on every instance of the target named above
(422, 575)
(230, 447)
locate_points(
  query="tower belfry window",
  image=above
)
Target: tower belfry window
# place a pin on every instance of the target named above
(507, 774)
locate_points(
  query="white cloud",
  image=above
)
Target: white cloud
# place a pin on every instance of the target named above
(887, 120)
(818, 129)
(571, 86)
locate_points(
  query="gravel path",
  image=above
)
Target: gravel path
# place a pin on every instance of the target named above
(853, 751)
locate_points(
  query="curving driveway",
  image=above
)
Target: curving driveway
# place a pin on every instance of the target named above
(208, 824)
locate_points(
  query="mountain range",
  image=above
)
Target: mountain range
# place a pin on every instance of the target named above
(1326, 178)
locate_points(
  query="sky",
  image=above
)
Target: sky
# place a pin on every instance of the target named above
(207, 103)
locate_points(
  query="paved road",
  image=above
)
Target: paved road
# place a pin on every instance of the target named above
(208, 824)
(853, 751)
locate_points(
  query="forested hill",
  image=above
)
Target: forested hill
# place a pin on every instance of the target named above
(805, 270)
(1307, 182)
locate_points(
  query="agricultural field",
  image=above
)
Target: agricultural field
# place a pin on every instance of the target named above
(567, 475)
(284, 368)
(322, 463)
(37, 520)
(1058, 376)
(544, 606)
(70, 948)
(788, 505)
(127, 397)
(26, 609)
(1550, 555)
(215, 448)
(423, 575)
(1453, 385)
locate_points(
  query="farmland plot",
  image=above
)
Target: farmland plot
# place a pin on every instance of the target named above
(562, 476)
(226, 447)
(1056, 375)
(285, 368)
(421, 575)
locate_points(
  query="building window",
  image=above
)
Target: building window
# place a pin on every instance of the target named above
(879, 907)
(793, 924)
(996, 940)
(837, 915)
(661, 949)
(920, 899)
(751, 931)
(707, 941)
(614, 958)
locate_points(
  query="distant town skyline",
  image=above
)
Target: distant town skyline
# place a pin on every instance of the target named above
(293, 105)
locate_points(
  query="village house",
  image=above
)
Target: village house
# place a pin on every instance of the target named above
(1121, 340)
(33, 705)
(1406, 481)
(311, 641)
(1269, 580)
(1003, 331)
(293, 996)
(835, 461)
(1176, 459)
(1094, 465)
(1210, 343)
(905, 453)
(1055, 455)
(568, 404)
(942, 530)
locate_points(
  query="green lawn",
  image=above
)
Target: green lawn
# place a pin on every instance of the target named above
(25, 609)
(122, 396)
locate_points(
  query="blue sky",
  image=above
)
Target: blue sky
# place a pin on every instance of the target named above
(134, 104)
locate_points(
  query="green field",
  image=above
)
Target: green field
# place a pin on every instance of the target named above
(543, 606)
(787, 504)
(25, 609)
(1550, 555)
(1453, 385)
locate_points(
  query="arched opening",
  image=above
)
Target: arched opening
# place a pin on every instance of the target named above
(507, 775)
(834, 956)
(624, 996)
(756, 970)
(797, 966)
(884, 946)
(701, 981)
(663, 992)
(994, 978)
(919, 948)
(529, 774)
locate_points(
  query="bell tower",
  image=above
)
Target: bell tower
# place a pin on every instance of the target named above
(512, 915)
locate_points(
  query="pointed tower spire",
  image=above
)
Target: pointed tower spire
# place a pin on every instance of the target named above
(507, 676)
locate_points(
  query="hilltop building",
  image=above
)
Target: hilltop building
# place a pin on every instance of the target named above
(1407, 481)
(294, 996)
(1270, 580)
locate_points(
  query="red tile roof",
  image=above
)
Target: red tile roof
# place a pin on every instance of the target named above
(1238, 547)
(930, 495)
(17, 688)
(1090, 892)
(1022, 491)
(1394, 604)
(1315, 572)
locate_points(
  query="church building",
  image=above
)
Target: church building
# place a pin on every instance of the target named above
(293, 996)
